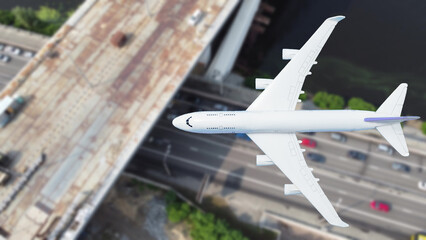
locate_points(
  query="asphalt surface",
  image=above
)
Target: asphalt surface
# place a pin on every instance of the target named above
(10, 69)
(349, 184)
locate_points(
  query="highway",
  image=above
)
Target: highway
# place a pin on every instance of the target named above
(8, 70)
(350, 184)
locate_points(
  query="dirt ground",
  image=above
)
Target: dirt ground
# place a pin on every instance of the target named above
(133, 211)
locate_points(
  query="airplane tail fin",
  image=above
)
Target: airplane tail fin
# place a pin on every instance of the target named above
(392, 106)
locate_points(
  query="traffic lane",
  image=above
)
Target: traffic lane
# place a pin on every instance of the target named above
(374, 159)
(370, 148)
(210, 156)
(332, 159)
(261, 186)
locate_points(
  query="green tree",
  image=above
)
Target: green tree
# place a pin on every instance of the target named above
(178, 211)
(424, 128)
(49, 15)
(26, 18)
(303, 96)
(356, 103)
(6, 17)
(325, 100)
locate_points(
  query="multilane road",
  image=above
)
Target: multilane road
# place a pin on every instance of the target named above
(350, 184)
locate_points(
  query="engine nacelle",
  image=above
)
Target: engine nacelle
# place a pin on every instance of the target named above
(291, 189)
(288, 54)
(262, 83)
(263, 160)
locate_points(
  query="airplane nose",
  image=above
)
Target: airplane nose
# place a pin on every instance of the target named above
(179, 122)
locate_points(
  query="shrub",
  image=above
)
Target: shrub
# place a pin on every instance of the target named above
(424, 128)
(359, 104)
(325, 100)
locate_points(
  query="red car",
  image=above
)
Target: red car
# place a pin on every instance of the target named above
(309, 143)
(380, 206)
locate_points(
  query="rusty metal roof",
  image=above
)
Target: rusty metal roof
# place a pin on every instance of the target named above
(89, 105)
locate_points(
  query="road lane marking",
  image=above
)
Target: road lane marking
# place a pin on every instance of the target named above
(407, 210)
(374, 167)
(342, 192)
(271, 185)
(194, 149)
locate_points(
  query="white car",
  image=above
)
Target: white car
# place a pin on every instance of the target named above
(338, 137)
(422, 185)
(196, 17)
(16, 51)
(28, 54)
(385, 148)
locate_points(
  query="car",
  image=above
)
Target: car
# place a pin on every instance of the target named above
(4, 58)
(309, 133)
(16, 51)
(316, 157)
(385, 148)
(400, 167)
(338, 137)
(422, 185)
(8, 48)
(380, 206)
(357, 155)
(221, 107)
(309, 143)
(196, 17)
(1, 46)
(28, 54)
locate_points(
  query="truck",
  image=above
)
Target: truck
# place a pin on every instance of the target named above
(9, 107)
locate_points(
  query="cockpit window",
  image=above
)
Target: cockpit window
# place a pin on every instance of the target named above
(187, 122)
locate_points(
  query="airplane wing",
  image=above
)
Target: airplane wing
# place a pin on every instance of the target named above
(284, 150)
(284, 91)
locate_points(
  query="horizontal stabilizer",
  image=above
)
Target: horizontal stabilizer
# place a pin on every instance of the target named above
(394, 135)
(391, 119)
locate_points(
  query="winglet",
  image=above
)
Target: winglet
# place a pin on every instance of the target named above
(336, 18)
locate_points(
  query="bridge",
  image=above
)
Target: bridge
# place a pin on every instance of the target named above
(89, 104)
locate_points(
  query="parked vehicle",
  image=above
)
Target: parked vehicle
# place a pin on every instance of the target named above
(195, 17)
(385, 148)
(9, 107)
(28, 54)
(316, 157)
(357, 155)
(400, 167)
(4, 58)
(422, 185)
(309, 143)
(338, 137)
(221, 107)
(380, 206)
(16, 51)
(1, 46)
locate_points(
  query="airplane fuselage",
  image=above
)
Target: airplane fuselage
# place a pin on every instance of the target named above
(213, 122)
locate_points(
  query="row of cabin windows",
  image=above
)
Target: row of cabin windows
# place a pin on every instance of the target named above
(222, 128)
(216, 114)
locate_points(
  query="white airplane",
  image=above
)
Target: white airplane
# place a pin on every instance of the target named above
(271, 122)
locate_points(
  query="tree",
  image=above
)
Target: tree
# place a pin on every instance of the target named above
(424, 128)
(178, 211)
(49, 15)
(325, 100)
(26, 18)
(359, 104)
(6, 17)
